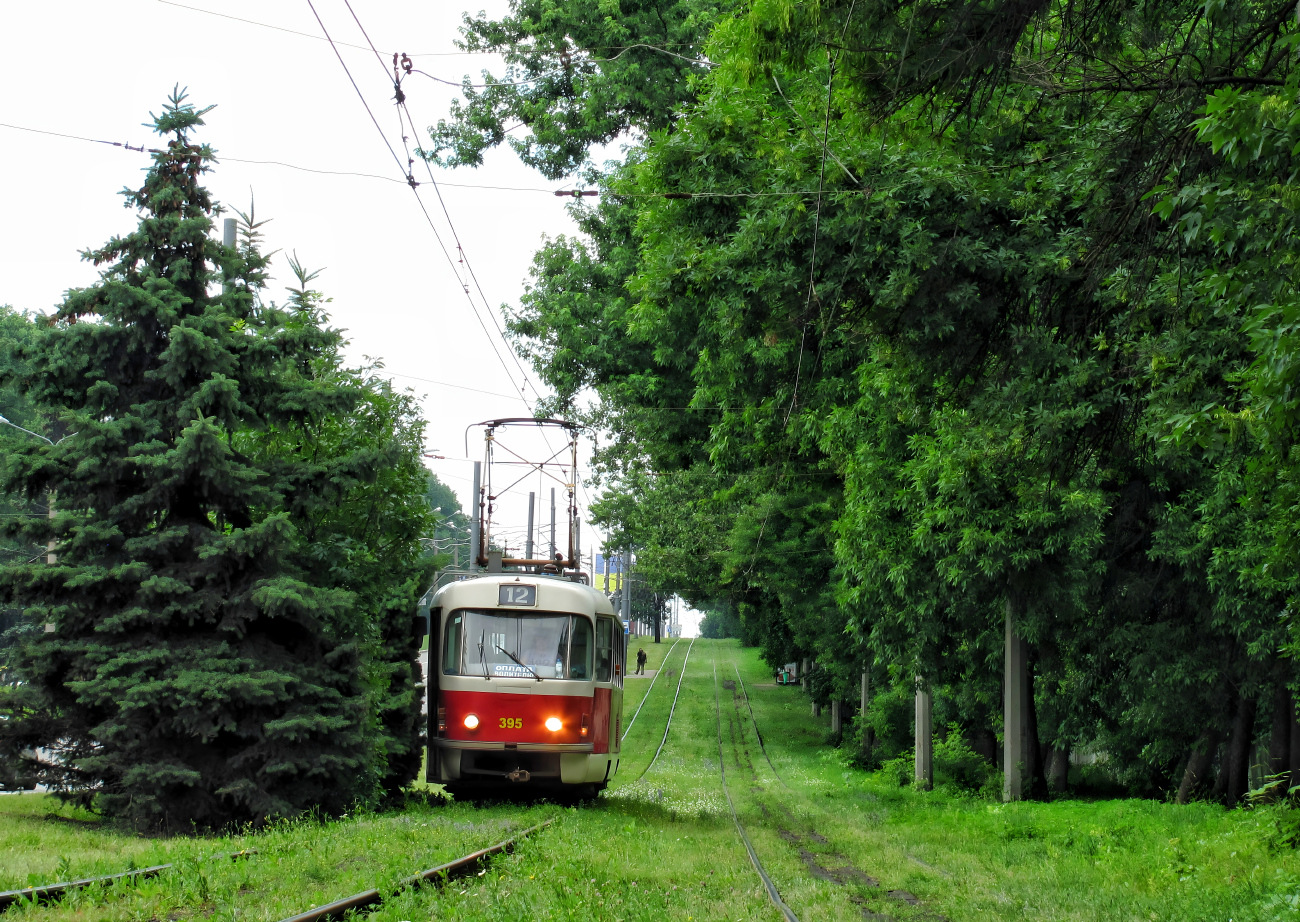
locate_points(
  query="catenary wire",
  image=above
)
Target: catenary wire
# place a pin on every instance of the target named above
(403, 110)
(559, 193)
(316, 38)
(621, 49)
(413, 185)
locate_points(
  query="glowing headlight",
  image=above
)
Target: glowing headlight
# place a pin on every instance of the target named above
(471, 722)
(553, 724)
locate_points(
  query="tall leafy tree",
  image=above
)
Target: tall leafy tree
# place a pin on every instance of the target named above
(578, 75)
(894, 280)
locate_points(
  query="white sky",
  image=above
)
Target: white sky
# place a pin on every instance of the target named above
(98, 69)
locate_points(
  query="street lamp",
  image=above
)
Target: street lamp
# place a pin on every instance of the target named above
(28, 431)
(50, 557)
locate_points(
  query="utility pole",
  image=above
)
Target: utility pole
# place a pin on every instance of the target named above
(658, 619)
(626, 582)
(552, 523)
(1016, 765)
(229, 237)
(924, 736)
(528, 542)
(476, 518)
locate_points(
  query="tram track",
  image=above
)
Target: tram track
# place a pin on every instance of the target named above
(646, 696)
(672, 710)
(50, 892)
(757, 733)
(773, 894)
(844, 874)
(368, 900)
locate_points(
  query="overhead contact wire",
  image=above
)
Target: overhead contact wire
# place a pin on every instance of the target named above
(400, 98)
(410, 181)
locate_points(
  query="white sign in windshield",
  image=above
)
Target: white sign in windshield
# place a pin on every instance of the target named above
(511, 670)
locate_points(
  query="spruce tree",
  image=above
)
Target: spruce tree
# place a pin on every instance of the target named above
(190, 670)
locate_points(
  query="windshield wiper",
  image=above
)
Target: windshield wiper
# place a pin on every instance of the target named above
(519, 661)
(480, 655)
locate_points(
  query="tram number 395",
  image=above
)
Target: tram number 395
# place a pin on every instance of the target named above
(512, 723)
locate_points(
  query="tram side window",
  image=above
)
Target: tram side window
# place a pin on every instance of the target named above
(451, 646)
(604, 650)
(580, 652)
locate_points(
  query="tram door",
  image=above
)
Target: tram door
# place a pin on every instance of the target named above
(608, 707)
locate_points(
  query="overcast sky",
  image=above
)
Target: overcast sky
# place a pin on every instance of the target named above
(96, 70)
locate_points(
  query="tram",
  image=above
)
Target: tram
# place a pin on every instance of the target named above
(525, 671)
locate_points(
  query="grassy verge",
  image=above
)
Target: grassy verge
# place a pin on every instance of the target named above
(972, 858)
(662, 846)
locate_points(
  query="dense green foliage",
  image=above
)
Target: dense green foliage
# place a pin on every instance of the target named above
(918, 315)
(576, 77)
(228, 628)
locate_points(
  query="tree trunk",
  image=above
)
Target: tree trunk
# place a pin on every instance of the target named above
(1034, 768)
(1058, 773)
(1279, 741)
(984, 742)
(866, 703)
(1220, 790)
(1295, 746)
(1238, 761)
(1198, 766)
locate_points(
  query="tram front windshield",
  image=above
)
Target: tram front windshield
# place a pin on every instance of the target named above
(498, 644)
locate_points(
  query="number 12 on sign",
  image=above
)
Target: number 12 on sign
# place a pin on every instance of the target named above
(517, 594)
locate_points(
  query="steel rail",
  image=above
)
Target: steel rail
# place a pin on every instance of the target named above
(772, 892)
(758, 732)
(671, 711)
(53, 891)
(461, 867)
(646, 696)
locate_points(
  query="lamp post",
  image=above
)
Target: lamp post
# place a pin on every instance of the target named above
(51, 558)
(29, 432)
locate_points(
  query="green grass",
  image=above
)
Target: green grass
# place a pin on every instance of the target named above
(972, 858)
(663, 846)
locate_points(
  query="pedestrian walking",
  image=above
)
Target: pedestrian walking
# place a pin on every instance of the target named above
(640, 661)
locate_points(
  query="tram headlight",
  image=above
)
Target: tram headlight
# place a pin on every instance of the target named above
(471, 722)
(553, 724)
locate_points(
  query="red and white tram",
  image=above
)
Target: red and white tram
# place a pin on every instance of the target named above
(525, 686)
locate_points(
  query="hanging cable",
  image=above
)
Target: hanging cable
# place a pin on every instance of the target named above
(401, 68)
(414, 188)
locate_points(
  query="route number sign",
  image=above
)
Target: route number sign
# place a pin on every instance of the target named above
(517, 594)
